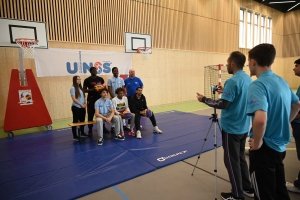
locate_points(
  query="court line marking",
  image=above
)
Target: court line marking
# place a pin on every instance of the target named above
(120, 192)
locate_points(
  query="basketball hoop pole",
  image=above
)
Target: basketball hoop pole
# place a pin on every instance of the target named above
(21, 68)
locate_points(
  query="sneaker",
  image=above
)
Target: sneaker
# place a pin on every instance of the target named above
(126, 128)
(90, 133)
(75, 139)
(112, 130)
(249, 193)
(138, 134)
(131, 133)
(290, 187)
(229, 196)
(100, 141)
(105, 130)
(119, 137)
(84, 135)
(156, 130)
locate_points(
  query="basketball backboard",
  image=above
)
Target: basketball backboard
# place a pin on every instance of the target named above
(135, 40)
(11, 29)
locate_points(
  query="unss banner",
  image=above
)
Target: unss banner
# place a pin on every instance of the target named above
(70, 62)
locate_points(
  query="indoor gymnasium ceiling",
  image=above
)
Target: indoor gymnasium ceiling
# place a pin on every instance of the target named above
(282, 5)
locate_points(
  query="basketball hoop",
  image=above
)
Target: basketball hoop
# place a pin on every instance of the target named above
(27, 45)
(145, 51)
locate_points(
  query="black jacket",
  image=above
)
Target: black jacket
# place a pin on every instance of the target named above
(136, 105)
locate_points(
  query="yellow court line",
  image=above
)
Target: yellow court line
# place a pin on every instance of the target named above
(288, 149)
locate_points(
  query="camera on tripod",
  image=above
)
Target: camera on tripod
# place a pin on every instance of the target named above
(214, 88)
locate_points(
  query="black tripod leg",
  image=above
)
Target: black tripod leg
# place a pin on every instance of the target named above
(202, 147)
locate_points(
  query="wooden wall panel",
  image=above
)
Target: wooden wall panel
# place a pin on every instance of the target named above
(291, 39)
(170, 22)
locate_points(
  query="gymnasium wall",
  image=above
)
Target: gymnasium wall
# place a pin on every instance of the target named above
(186, 35)
(291, 46)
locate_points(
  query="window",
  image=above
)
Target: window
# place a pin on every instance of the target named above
(255, 28)
(242, 29)
(269, 30)
(263, 30)
(249, 30)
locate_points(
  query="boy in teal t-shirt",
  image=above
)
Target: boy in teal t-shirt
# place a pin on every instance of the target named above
(272, 105)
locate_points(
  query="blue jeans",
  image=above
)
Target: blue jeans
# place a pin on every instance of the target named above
(296, 134)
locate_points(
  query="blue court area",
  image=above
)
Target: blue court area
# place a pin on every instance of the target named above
(49, 165)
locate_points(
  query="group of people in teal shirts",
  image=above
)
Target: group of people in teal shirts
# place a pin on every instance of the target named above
(271, 106)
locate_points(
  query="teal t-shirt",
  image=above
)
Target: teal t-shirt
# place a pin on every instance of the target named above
(272, 94)
(104, 106)
(234, 119)
(298, 94)
(80, 98)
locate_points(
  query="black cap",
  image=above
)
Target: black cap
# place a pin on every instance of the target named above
(297, 62)
(92, 69)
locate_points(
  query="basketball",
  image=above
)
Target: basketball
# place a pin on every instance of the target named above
(127, 115)
(99, 87)
(148, 113)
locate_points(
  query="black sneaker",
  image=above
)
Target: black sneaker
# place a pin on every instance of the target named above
(119, 137)
(125, 128)
(84, 135)
(112, 130)
(249, 193)
(75, 138)
(90, 134)
(229, 196)
(105, 130)
(100, 141)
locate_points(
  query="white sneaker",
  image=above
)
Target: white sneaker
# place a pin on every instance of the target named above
(128, 126)
(156, 130)
(138, 134)
(290, 187)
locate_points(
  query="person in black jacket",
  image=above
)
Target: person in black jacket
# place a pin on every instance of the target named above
(138, 105)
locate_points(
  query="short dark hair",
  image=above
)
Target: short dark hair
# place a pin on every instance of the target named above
(103, 89)
(92, 69)
(297, 62)
(238, 58)
(119, 90)
(264, 54)
(138, 88)
(113, 69)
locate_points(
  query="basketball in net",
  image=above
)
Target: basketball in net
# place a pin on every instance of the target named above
(214, 75)
(27, 45)
(145, 51)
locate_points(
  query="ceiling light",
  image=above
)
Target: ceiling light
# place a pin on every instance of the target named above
(293, 7)
(282, 2)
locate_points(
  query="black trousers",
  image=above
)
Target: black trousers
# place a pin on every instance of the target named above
(267, 174)
(78, 116)
(296, 134)
(138, 123)
(91, 111)
(235, 162)
(128, 99)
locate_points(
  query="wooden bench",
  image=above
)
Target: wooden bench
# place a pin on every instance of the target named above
(80, 124)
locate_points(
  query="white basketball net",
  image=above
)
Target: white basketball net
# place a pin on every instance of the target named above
(27, 46)
(145, 51)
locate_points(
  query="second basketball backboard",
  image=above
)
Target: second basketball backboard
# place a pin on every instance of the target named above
(135, 40)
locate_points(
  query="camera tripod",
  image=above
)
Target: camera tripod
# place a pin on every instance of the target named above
(214, 121)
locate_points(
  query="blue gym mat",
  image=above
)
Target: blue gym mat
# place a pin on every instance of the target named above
(49, 165)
